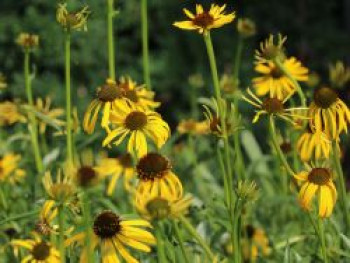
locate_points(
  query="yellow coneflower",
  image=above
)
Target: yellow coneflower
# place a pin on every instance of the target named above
(27, 41)
(203, 21)
(155, 175)
(273, 106)
(62, 190)
(318, 180)
(137, 94)
(328, 113)
(137, 123)
(3, 82)
(72, 20)
(40, 251)
(112, 234)
(158, 206)
(43, 107)
(9, 114)
(108, 99)
(313, 144)
(191, 126)
(9, 168)
(121, 166)
(274, 82)
(47, 214)
(339, 75)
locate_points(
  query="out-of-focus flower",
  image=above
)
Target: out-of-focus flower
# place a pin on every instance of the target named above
(137, 123)
(246, 27)
(9, 168)
(339, 75)
(191, 126)
(72, 20)
(27, 41)
(112, 235)
(228, 84)
(9, 114)
(269, 50)
(274, 82)
(196, 80)
(314, 80)
(317, 180)
(328, 113)
(3, 82)
(203, 21)
(60, 190)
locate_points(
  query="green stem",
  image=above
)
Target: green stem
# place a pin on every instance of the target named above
(228, 173)
(21, 216)
(110, 37)
(68, 98)
(237, 233)
(181, 242)
(61, 233)
(342, 188)
(191, 230)
(145, 48)
(301, 94)
(33, 127)
(237, 63)
(322, 240)
(280, 154)
(87, 222)
(160, 244)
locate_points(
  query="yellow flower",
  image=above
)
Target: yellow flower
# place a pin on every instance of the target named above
(137, 123)
(62, 190)
(47, 214)
(27, 41)
(109, 96)
(204, 21)
(3, 82)
(39, 250)
(112, 234)
(328, 113)
(313, 144)
(191, 126)
(273, 106)
(246, 27)
(137, 94)
(116, 168)
(9, 170)
(72, 20)
(274, 82)
(9, 114)
(269, 50)
(339, 75)
(317, 181)
(155, 175)
(154, 205)
(43, 107)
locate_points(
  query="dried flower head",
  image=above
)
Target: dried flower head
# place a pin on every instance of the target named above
(72, 20)
(246, 27)
(339, 75)
(247, 191)
(27, 41)
(271, 49)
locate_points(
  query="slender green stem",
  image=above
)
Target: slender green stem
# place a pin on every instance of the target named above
(33, 127)
(342, 188)
(301, 94)
(323, 240)
(20, 216)
(68, 98)
(238, 58)
(87, 222)
(280, 154)
(145, 48)
(237, 232)
(181, 241)
(110, 37)
(160, 243)
(61, 225)
(191, 230)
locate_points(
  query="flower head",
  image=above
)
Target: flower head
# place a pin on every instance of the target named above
(113, 234)
(317, 180)
(10, 114)
(271, 49)
(203, 21)
(27, 41)
(9, 169)
(62, 190)
(72, 20)
(246, 27)
(155, 175)
(117, 168)
(47, 214)
(339, 75)
(137, 123)
(3, 81)
(328, 113)
(191, 126)
(274, 82)
(39, 250)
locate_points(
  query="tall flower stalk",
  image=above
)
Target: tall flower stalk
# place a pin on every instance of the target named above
(110, 37)
(145, 48)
